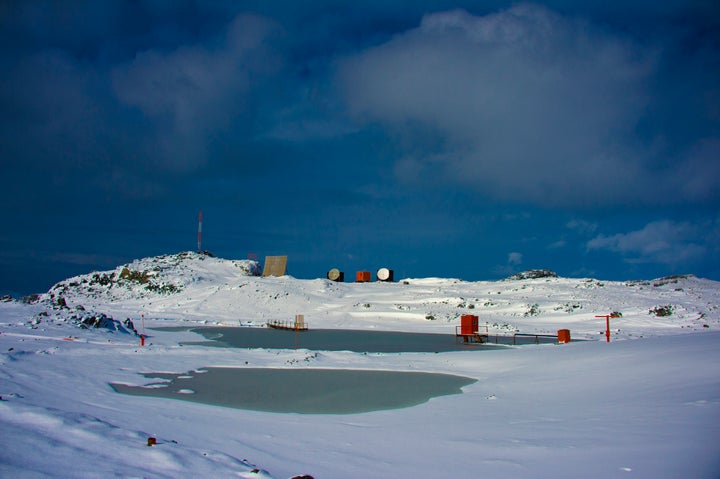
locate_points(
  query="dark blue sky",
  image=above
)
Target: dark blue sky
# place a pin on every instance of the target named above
(471, 139)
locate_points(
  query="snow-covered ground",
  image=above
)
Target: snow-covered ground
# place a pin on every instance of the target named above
(646, 405)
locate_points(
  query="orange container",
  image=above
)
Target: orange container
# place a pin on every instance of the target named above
(563, 336)
(468, 324)
(362, 276)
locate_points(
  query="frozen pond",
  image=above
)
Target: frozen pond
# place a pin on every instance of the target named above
(302, 391)
(342, 340)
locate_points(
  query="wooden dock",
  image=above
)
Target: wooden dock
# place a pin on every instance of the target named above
(288, 325)
(474, 338)
(465, 336)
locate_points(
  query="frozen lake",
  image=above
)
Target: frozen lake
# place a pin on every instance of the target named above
(301, 391)
(310, 390)
(361, 341)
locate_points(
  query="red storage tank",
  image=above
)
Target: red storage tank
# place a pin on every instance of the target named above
(362, 276)
(468, 324)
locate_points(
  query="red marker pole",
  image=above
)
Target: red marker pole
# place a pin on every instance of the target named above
(142, 336)
(607, 325)
(607, 328)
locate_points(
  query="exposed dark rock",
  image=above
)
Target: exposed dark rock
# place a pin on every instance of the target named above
(141, 277)
(662, 311)
(103, 279)
(532, 274)
(101, 321)
(129, 325)
(674, 279)
(31, 299)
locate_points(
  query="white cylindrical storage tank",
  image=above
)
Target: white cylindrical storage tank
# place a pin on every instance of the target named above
(384, 274)
(336, 275)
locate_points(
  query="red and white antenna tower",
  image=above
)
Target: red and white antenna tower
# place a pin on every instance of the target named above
(200, 232)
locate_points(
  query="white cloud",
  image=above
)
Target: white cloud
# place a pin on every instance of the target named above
(522, 104)
(557, 244)
(195, 91)
(665, 242)
(515, 258)
(582, 227)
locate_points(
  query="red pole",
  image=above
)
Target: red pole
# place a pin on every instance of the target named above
(607, 328)
(607, 325)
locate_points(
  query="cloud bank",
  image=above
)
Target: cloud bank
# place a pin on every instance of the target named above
(528, 105)
(194, 93)
(666, 242)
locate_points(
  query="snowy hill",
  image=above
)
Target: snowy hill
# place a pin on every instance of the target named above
(193, 287)
(646, 405)
(148, 277)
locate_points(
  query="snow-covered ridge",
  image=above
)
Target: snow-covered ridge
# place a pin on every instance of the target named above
(159, 275)
(192, 287)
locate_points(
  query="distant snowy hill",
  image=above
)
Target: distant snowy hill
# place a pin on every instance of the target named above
(200, 288)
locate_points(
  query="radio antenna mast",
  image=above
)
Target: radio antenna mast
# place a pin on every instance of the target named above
(200, 232)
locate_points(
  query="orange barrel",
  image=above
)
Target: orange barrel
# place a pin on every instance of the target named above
(362, 276)
(563, 336)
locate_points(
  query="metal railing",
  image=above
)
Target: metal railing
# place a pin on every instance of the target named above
(536, 337)
(514, 339)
